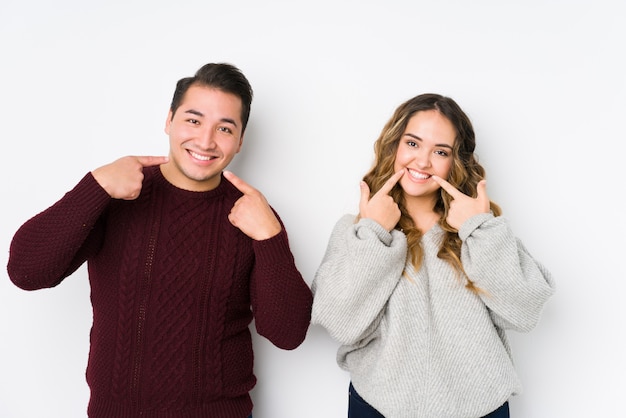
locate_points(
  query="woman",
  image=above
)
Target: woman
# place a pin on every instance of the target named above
(420, 287)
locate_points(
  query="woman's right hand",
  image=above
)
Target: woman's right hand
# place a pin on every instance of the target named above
(381, 207)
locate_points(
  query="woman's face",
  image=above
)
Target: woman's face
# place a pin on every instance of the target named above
(425, 149)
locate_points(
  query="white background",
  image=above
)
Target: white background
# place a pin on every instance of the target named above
(83, 83)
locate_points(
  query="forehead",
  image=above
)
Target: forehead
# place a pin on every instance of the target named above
(431, 125)
(210, 102)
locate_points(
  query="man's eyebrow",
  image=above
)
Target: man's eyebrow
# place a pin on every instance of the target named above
(194, 112)
(421, 140)
(229, 120)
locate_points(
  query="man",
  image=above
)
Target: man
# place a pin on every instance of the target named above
(181, 257)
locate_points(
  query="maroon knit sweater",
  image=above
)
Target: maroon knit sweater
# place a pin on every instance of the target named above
(174, 287)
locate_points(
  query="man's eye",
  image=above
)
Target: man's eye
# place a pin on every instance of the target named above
(224, 129)
(193, 121)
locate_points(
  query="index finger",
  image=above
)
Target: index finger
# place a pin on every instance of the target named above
(391, 181)
(452, 191)
(243, 187)
(147, 160)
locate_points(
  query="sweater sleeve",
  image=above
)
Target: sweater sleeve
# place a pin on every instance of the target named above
(361, 268)
(515, 286)
(281, 299)
(56, 242)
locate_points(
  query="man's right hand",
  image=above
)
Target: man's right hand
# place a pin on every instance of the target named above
(123, 178)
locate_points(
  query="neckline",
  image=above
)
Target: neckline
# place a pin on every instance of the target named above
(160, 179)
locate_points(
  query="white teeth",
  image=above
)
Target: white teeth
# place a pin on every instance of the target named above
(417, 175)
(200, 157)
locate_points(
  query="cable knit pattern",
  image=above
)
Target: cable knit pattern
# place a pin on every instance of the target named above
(419, 343)
(127, 294)
(173, 299)
(174, 288)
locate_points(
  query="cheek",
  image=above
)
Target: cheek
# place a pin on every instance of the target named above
(230, 146)
(400, 160)
(177, 133)
(443, 169)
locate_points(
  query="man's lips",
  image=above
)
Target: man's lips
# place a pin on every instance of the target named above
(200, 156)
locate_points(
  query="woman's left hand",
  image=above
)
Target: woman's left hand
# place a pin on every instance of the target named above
(462, 206)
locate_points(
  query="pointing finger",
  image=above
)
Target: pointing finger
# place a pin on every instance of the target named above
(391, 182)
(147, 161)
(452, 191)
(481, 191)
(243, 187)
(365, 195)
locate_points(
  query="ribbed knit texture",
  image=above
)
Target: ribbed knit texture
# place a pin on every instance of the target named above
(173, 286)
(422, 345)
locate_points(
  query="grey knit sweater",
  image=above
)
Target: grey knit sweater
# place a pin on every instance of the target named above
(421, 344)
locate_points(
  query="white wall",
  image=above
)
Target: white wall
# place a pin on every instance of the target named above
(82, 84)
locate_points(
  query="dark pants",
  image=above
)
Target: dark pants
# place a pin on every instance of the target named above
(502, 412)
(359, 408)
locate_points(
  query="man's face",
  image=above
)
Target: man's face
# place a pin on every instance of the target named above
(205, 134)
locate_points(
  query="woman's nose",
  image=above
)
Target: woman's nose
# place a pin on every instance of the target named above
(423, 159)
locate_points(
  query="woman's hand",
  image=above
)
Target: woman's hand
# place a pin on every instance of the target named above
(462, 206)
(381, 207)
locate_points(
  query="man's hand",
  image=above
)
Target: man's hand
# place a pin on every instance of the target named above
(251, 213)
(462, 206)
(123, 178)
(381, 207)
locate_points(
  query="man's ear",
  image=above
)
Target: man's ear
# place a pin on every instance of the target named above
(168, 122)
(240, 144)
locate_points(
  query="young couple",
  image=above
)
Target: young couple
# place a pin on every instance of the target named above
(419, 287)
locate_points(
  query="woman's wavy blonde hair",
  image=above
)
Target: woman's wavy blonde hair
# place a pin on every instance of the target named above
(465, 174)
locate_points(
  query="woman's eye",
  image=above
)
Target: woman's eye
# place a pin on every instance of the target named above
(411, 143)
(442, 153)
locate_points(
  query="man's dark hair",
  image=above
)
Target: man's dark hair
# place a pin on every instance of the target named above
(221, 76)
